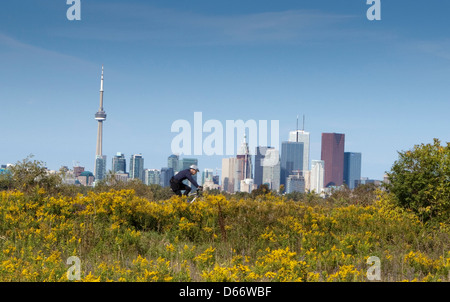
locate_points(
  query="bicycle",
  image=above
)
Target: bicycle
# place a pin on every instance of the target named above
(196, 194)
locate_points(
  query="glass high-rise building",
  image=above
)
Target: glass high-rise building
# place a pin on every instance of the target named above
(137, 167)
(119, 163)
(100, 167)
(302, 136)
(165, 176)
(352, 168)
(291, 160)
(333, 156)
(173, 162)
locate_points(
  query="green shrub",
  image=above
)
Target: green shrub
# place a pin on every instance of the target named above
(420, 181)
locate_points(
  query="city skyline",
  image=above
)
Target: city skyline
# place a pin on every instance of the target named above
(385, 84)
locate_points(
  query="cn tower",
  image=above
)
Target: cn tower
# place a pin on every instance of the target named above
(100, 116)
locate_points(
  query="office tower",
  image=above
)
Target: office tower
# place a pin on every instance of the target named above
(244, 155)
(152, 176)
(100, 167)
(165, 176)
(291, 160)
(295, 183)
(267, 167)
(301, 136)
(100, 159)
(185, 163)
(333, 156)
(243, 165)
(216, 179)
(259, 158)
(352, 168)
(173, 162)
(317, 176)
(207, 174)
(119, 163)
(137, 167)
(228, 174)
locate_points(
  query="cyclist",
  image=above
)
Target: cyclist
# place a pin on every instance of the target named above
(176, 182)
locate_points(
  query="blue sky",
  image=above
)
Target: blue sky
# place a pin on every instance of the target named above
(385, 84)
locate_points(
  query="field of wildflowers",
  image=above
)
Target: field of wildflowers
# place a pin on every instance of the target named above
(119, 236)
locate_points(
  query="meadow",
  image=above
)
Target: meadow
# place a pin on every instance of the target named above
(119, 235)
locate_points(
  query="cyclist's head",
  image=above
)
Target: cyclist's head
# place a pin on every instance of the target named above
(194, 169)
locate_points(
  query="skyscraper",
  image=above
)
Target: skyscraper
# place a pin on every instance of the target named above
(137, 167)
(243, 165)
(317, 176)
(100, 159)
(173, 162)
(259, 158)
(352, 168)
(228, 174)
(267, 167)
(333, 156)
(119, 163)
(165, 176)
(291, 159)
(301, 136)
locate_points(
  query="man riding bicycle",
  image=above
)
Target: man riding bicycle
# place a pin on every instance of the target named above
(176, 182)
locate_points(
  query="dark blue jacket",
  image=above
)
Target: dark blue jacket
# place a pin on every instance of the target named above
(185, 174)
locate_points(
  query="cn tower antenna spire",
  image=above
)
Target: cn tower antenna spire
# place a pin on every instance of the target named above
(101, 83)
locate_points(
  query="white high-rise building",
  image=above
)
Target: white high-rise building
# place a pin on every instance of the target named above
(228, 174)
(269, 167)
(317, 176)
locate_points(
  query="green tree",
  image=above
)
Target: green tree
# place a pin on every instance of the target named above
(261, 190)
(28, 174)
(420, 181)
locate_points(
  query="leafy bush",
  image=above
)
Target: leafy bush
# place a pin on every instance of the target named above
(420, 181)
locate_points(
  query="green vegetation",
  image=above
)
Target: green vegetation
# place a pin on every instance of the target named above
(127, 231)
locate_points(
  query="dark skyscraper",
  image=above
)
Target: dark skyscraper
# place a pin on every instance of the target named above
(352, 168)
(333, 156)
(291, 159)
